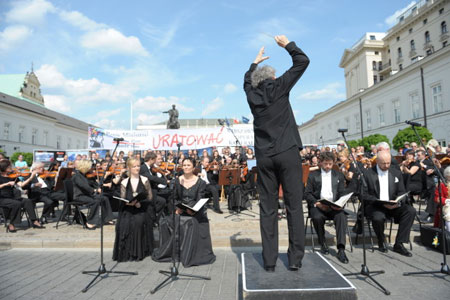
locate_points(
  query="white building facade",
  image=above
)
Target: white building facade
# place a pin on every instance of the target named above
(391, 77)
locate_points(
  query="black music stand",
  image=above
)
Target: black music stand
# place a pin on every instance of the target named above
(173, 274)
(102, 269)
(444, 267)
(232, 178)
(362, 181)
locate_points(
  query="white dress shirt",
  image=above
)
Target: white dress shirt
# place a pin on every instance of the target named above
(326, 192)
(383, 179)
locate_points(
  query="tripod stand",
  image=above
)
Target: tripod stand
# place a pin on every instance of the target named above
(444, 267)
(102, 269)
(364, 269)
(173, 274)
(231, 178)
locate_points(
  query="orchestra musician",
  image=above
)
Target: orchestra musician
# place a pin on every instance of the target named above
(88, 193)
(427, 171)
(385, 182)
(327, 184)
(211, 177)
(411, 169)
(277, 145)
(10, 197)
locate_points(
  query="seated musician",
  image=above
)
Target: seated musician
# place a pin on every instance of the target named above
(427, 172)
(10, 197)
(41, 189)
(384, 182)
(158, 204)
(314, 163)
(411, 169)
(211, 177)
(87, 192)
(156, 170)
(217, 157)
(327, 184)
(111, 182)
(348, 169)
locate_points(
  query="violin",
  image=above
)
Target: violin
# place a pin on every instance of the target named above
(213, 166)
(13, 175)
(159, 170)
(48, 174)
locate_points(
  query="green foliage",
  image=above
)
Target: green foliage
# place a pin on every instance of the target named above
(27, 156)
(408, 134)
(354, 143)
(373, 139)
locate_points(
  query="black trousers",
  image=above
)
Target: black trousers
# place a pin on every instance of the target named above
(14, 206)
(213, 189)
(403, 215)
(94, 207)
(319, 217)
(284, 168)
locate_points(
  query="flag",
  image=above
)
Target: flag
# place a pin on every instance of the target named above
(227, 121)
(235, 121)
(245, 120)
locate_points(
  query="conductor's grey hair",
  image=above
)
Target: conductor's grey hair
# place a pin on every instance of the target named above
(261, 74)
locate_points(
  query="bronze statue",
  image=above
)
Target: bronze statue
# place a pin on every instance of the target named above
(173, 118)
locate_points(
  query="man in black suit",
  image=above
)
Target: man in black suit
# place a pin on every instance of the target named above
(326, 183)
(277, 145)
(386, 183)
(159, 203)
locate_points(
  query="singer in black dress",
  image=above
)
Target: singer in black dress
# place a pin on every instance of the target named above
(194, 239)
(134, 229)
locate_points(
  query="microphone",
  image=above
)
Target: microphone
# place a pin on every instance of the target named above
(342, 130)
(413, 123)
(179, 145)
(118, 140)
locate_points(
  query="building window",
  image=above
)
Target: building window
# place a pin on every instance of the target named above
(444, 44)
(398, 38)
(368, 120)
(375, 79)
(413, 45)
(376, 53)
(380, 65)
(410, 30)
(438, 105)
(444, 27)
(6, 130)
(357, 122)
(374, 65)
(58, 142)
(415, 105)
(427, 37)
(21, 134)
(372, 37)
(400, 67)
(425, 21)
(381, 115)
(34, 133)
(336, 124)
(429, 51)
(78, 144)
(45, 138)
(381, 78)
(399, 52)
(441, 11)
(396, 105)
(69, 143)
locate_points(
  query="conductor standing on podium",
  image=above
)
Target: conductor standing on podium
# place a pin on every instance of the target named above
(277, 145)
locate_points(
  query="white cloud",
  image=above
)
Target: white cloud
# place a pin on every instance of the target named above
(160, 104)
(108, 113)
(392, 19)
(161, 36)
(148, 119)
(29, 11)
(82, 90)
(79, 20)
(114, 42)
(229, 88)
(107, 124)
(213, 106)
(13, 36)
(57, 103)
(329, 92)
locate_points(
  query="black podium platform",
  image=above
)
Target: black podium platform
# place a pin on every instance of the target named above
(317, 279)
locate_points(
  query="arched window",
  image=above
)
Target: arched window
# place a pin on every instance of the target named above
(443, 27)
(413, 45)
(399, 51)
(427, 37)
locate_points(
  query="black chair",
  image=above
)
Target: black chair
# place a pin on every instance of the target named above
(68, 202)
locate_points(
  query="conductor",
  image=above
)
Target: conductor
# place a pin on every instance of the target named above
(277, 145)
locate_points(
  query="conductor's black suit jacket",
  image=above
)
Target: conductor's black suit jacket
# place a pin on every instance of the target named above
(274, 123)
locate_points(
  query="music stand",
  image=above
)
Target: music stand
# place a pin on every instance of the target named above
(232, 178)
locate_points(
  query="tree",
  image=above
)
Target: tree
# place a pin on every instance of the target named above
(354, 143)
(408, 135)
(27, 156)
(373, 139)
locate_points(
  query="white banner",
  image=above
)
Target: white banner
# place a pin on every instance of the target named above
(167, 139)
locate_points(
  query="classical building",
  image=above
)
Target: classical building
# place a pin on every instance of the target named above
(26, 124)
(403, 74)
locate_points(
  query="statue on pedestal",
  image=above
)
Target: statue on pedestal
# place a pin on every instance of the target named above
(173, 118)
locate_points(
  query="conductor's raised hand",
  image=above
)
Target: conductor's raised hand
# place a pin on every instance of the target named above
(281, 40)
(259, 58)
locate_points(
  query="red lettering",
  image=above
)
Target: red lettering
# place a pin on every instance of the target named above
(165, 140)
(159, 142)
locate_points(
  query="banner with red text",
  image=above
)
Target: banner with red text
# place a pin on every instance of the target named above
(167, 139)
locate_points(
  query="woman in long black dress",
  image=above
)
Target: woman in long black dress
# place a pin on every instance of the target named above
(134, 229)
(194, 243)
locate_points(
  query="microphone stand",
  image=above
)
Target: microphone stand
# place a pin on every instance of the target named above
(361, 181)
(102, 269)
(173, 274)
(444, 267)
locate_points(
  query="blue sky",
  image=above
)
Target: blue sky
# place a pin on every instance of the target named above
(94, 58)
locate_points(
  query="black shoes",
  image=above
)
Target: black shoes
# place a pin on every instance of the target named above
(38, 226)
(218, 211)
(269, 269)
(342, 257)
(295, 267)
(382, 247)
(399, 248)
(12, 230)
(324, 249)
(43, 220)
